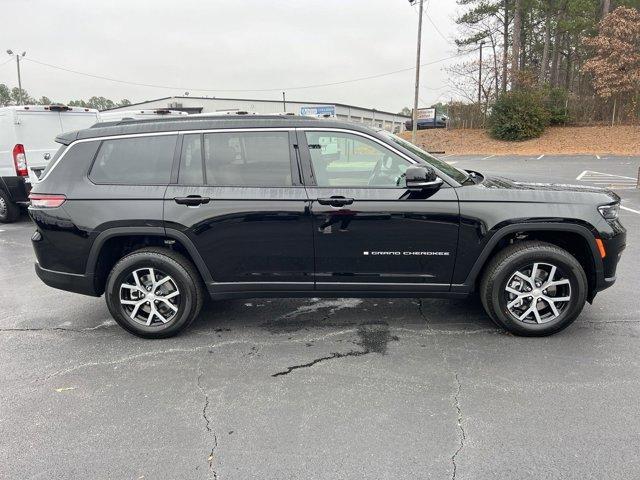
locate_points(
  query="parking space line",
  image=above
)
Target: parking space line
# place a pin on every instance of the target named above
(598, 157)
(629, 209)
(579, 177)
(540, 157)
(452, 163)
(490, 156)
(611, 175)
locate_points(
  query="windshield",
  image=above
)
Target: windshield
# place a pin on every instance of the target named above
(458, 175)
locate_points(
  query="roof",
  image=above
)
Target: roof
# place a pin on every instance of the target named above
(279, 102)
(186, 123)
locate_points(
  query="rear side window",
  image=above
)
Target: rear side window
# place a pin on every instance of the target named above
(252, 159)
(135, 161)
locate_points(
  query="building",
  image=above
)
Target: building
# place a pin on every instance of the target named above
(389, 121)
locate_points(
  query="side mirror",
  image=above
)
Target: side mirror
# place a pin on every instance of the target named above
(422, 178)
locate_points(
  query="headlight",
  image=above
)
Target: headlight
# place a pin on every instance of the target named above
(609, 212)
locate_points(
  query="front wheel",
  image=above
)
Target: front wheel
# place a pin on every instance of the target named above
(9, 211)
(534, 288)
(154, 293)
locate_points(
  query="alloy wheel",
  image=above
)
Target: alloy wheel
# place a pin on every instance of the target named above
(150, 297)
(3, 208)
(537, 293)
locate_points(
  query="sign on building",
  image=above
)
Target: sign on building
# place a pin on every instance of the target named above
(426, 113)
(320, 111)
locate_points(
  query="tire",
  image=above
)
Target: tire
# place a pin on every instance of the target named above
(9, 211)
(514, 301)
(172, 312)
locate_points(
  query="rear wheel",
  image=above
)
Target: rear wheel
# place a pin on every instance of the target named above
(9, 211)
(154, 293)
(534, 288)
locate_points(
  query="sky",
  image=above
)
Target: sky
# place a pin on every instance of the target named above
(217, 48)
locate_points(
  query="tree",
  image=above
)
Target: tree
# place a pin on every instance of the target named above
(5, 95)
(405, 111)
(517, 37)
(615, 63)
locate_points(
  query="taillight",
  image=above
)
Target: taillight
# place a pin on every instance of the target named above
(46, 201)
(20, 161)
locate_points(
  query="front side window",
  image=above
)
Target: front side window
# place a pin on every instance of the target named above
(249, 159)
(457, 174)
(135, 161)
(348, 160)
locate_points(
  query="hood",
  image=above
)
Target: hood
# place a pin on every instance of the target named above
(547, 192)
(502, 182)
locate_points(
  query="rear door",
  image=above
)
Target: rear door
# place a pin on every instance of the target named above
(37, 129)
(370, 232)
(238, 196)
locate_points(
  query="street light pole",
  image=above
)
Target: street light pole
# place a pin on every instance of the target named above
(18, 55)
(417, 88)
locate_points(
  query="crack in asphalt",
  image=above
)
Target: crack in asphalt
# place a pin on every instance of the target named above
(105, 324)
(207, 424)
(352, 353)
(462, 436)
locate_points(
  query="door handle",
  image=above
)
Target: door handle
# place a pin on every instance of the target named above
(335, 201)
(191, 200)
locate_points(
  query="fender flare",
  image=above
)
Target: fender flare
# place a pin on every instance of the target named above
(501, 233)
(170, 233)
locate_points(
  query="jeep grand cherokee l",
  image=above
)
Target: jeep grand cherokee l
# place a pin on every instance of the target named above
(155, 213)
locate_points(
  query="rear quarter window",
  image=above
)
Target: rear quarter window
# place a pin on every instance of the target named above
(134, 161)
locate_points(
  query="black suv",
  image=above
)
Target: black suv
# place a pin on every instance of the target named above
(156, 213)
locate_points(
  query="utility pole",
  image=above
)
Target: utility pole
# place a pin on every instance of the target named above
(284, 103)
(414, 133)
(480, 76)
(10, 52)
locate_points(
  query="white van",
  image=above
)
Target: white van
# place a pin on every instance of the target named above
(27, 144)
(118, 115)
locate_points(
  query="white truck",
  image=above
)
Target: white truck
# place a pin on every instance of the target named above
(27, 145)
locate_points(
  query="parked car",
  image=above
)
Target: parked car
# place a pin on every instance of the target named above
(119, 115)
(440, 121)
(158, 214)
(27, 144)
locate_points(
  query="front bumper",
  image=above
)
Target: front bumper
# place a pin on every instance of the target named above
(614, 245)
(71, 282)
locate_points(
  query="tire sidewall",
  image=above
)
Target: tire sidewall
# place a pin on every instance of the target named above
(182, 279)
(12, 211)
(572, 271)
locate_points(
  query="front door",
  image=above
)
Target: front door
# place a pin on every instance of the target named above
(239, 198)
(370, 232)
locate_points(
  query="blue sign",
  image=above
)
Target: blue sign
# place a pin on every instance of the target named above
(319, 111)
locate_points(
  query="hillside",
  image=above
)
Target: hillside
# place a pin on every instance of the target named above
(618, 140)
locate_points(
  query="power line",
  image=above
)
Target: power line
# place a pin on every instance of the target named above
(437, 29)
(279, 89)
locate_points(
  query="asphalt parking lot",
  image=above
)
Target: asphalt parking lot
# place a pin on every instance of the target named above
(321, 388)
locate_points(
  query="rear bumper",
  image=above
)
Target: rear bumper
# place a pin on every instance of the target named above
(17, 188)
(71, 282)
